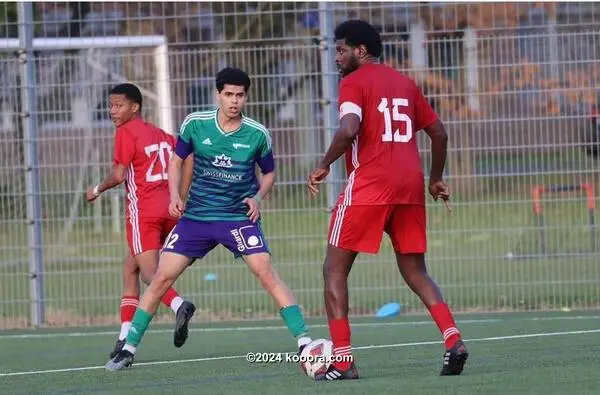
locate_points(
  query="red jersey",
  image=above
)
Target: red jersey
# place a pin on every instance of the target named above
(145, 150)
(383, 164)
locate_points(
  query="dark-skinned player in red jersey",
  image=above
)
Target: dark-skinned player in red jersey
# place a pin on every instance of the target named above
(381, 110)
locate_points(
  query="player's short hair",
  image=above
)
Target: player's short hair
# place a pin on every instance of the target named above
(232, 76)
(130, 91)
(357, 32)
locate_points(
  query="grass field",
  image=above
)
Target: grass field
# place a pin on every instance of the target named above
(467, 255)
(524, 353)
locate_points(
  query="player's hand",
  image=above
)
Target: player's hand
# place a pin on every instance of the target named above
(439, 190)
(253, 209)
(315, 178)
(90, 195)
(176, 207)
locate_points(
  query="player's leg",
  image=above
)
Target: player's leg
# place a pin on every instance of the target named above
(407, 230)
(349, 234)
(129, 300)
(187, 242)
(247, 240)
(152, 237)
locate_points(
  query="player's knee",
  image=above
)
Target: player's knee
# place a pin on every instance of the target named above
(162, 280)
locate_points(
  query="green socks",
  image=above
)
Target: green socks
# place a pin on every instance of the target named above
(292, 317)
(141, 321)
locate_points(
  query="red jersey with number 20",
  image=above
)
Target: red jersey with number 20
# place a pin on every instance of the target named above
(383, 164)
(145, 150)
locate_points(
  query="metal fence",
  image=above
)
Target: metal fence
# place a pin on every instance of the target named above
(516, 85)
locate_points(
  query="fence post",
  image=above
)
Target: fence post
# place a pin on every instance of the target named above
(329, 80)
(29, 124)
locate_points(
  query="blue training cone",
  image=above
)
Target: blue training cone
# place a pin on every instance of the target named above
(210, 277)
(391, 309)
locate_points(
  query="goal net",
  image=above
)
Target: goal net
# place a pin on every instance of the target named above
(75, 143)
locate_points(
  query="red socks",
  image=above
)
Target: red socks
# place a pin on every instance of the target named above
(442, 316)
(340, 336)
(169, 296)
(128, 306)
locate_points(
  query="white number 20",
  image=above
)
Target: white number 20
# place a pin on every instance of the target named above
(160, 148)
(396, 116)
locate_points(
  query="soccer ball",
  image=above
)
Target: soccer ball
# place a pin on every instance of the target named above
(316, 357)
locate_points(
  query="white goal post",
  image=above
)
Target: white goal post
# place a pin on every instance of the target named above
(159, 95)
(161, 61)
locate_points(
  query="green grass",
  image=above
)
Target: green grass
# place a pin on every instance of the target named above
(529, 353)
(467, 256)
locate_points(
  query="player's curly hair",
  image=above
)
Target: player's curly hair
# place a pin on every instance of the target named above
(357, 32)
(232, 76)
(130, 91)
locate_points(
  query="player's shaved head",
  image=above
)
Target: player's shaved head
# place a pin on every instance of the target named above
(356, 32)
(130, 91)
(232, 76)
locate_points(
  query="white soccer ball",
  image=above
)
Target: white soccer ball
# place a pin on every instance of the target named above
(316, 357)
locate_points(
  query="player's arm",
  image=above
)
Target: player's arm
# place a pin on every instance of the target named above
(439, 149)
(183, 149)
(342, 140)
(186, 177)
(351, 104)
(123, 155)
(427, 119)
(266, 164)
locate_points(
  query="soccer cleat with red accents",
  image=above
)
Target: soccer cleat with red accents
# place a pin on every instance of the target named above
(455, 359)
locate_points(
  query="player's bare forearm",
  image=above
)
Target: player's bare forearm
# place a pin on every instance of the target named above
(186, 177)
(175, 165)
(342, 140)
(439, 148)
(266, 184)
(116, 177)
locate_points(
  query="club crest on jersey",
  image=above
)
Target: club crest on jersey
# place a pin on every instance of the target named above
(222, 161)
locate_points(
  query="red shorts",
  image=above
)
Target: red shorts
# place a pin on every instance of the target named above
(360, 228)
(144, 234)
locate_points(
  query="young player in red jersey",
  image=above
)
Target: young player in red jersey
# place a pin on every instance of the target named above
(141, 158)
(380, 112)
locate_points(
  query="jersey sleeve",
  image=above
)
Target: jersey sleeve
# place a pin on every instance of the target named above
(265, 159)
(184, 145)
(425, 115)
(350, 99)
(124, 147)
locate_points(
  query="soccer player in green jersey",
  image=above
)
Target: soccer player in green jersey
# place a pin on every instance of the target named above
(223, 206)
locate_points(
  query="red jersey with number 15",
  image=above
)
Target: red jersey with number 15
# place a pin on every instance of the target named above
(383, 163)
(145, 151)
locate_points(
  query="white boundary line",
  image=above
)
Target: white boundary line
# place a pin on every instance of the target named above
(370, 347)
(273, 327)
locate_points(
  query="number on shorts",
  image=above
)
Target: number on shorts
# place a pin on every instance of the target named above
(396, 116)
(171, 239)
(162, 156)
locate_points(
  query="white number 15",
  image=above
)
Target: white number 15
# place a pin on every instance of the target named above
(396, 117)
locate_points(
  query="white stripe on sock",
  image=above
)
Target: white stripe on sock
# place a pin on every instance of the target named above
(124, 329)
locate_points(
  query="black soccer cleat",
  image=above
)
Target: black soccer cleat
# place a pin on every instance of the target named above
(118, 347)
(184, 315)
(333, 374)
(122, 360)
(455, 359)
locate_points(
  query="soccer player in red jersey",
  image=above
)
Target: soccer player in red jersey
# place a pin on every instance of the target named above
(380, 112)
(141, 160)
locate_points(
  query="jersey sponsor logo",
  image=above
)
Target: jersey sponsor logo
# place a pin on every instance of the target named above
(221, 175)
(239, 145)
(207, 141)
(247, 238)
(222, 161)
